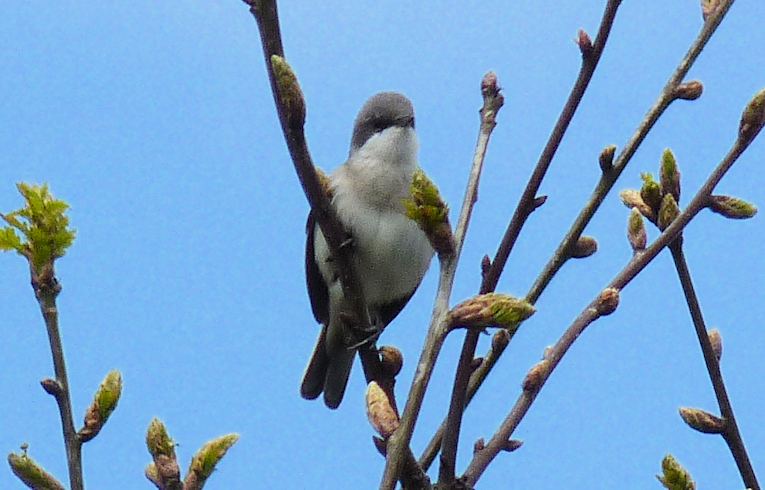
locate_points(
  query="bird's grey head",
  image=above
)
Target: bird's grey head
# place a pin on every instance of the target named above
(380, 112)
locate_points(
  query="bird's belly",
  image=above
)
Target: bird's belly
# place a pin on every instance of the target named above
(393, 255)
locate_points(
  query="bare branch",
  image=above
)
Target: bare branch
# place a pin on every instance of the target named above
(594, 311)
(730, 433)
(591, 54)
(492, 102)
(607, 181)
(47, 288)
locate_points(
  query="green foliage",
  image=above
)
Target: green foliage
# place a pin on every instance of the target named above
(158, 441)
(508, 311)
(43, 226)
(669, 175)
(732, 207)
(108, 394)
(32, 474)
(204, 461)
(651, 191)
(425, 206)
(674, 476)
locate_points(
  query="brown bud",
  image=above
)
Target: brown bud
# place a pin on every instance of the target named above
(608, 301)
(702, 421)
(585, 43)
(753, 118)
(50, 386)
(689, 90)
(380, 412)
(391, 359)
(511, 445)
(476, 363)
(536, 376)
(584, 247)
(716, 340)
(493, 100)
(606, 159)
(538, 201)
(636, 233)
(547, 352)
(478, 445)
(500, 340)
(632, 199)
(380, 445)
(709, 8)
(485, 265)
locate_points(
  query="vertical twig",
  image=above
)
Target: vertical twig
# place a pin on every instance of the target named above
(399, 441)
(591, 54)
(731, 434)
(47, 288)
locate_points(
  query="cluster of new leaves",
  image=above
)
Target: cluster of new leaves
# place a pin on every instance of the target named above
(44, 228)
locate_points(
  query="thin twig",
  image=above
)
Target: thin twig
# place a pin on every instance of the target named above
(47, 288)
(731, 434)
(591, 54)
(591, 313)
(399, 441)
(606, 183)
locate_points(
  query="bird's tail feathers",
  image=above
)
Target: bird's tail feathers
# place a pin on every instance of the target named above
(316, 371)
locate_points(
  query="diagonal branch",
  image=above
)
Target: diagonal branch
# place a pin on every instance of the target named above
(291, 109)
(540, 373)
(731, 434)
(591, 54)
(439, 328)
(606, 183)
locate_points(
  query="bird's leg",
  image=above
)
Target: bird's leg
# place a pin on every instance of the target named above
(368, 335)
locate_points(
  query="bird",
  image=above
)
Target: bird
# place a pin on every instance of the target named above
(390, 251)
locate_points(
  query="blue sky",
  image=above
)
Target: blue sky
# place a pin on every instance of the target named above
(154, 120)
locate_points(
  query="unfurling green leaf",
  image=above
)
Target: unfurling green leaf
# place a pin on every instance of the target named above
(674, 476)
(40, 230)
(753, 118)
(426, 207)
(104, 403)
(668, 212)
(732, 207)
(636, 233)
(204, 461)
(650, 192)
(158, 441)
(288, 88)
(32, 474)
(492, 310)
(669, 175)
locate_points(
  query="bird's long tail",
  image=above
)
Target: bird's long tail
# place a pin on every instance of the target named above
(328, 371)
